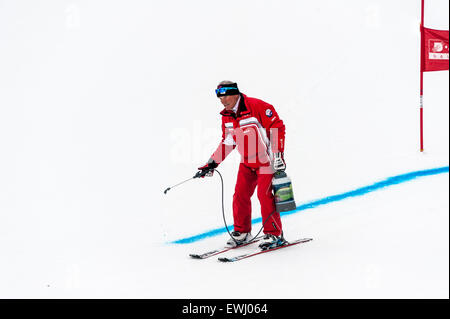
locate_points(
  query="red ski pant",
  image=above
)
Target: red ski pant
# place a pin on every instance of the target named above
(247, 180)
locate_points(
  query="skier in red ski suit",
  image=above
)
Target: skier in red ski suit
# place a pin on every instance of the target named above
(254, 127)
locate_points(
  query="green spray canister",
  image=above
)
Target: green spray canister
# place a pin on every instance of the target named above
(282, 189)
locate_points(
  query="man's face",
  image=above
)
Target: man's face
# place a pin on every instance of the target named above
(229, 101)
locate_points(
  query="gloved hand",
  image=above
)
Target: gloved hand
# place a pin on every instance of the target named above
(207, 169)
(278, 162)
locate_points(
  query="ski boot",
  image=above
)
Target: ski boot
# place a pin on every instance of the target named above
(270, 241)
(238, 238)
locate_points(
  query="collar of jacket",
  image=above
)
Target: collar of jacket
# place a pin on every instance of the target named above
(242, 108)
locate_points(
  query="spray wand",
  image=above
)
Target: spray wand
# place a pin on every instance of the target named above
(197, 175)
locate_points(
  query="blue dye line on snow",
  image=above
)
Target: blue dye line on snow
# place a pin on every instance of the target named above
(394, 180)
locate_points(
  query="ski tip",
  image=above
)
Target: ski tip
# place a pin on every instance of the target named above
(224, 259)
(303, 240)
(195, 256)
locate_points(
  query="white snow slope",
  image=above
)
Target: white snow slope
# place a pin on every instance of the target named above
(104, 104)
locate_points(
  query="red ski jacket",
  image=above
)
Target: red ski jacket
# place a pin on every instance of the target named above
(256, 130)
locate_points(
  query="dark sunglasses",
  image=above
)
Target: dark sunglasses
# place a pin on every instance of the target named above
(224, 90)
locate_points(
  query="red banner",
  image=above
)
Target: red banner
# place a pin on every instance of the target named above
(434, 50)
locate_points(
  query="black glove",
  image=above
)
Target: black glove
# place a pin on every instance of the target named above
(207, 169)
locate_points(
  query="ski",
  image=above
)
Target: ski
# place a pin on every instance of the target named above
(222, 250)
(288, 244)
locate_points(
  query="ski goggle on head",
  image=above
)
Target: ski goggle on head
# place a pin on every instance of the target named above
(227, 90)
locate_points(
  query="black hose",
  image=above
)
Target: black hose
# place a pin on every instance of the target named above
(225, 222)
